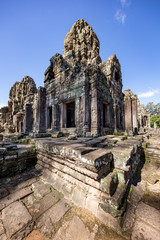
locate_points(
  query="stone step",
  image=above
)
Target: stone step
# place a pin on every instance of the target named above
(4, 202)
(17, 220)
(98, 158)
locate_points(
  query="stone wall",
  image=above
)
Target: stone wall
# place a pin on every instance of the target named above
(136, 117)
(21, 93)
(16, 158)
(93, 178)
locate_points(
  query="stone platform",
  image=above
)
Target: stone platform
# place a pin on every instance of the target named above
(94, 173)
(115, 178)
(33, 210)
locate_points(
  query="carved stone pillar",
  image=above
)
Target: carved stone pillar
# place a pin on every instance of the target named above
(27, 120)
(41, 110)
(56, 112)
(85, 113)
(94, 112)
(134, 115)
(115, 117)
(128, 116)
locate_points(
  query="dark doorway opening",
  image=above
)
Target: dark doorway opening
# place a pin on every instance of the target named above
(50, 117)
(17, 126)
(117, 77)
(22, 130)
(70, 114)
(106, 116)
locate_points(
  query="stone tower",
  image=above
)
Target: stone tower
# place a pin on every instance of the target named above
(83, 95)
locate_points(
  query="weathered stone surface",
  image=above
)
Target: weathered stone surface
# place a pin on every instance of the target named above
(136, 117)
(129, 218)
(15, 196)
(53, 215)
(81, 43)
(1, 228)
(36, 235)
(107, 219)
(17, 220)
(97, 158)
(3, 237)
(142, 230)
(3, 192)
(72, 229)
(38, 207)
(149, 215)
(80, 172)
(41, 189)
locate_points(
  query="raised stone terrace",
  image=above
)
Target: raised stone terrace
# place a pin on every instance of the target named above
(91, 188)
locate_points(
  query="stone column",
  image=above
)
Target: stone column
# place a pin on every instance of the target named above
(85, 113)
(61, 116)
(63, 120)
(94, 112)
(115, 117)
(56, 120)
(78, 101)
(28, 118)
(134, 115)
(128, 115)
(41, 110)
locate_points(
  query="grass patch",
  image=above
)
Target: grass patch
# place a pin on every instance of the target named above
(119, 133)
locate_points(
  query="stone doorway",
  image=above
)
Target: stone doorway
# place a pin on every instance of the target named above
(70, 114)
(106, 115)
(22, 128)
(49, 117)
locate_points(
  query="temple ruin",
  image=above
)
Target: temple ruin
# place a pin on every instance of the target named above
(74, 145)
(81, 95)
(136, 117)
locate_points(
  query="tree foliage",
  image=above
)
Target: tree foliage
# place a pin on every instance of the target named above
(154, 110)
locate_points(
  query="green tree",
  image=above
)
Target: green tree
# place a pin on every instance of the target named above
(154, 110)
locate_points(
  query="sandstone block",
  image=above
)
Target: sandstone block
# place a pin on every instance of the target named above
(53, 215)
(149, 215)
(75, 229)
(144, 231)
(15, 196)
(1, 228)
(17, 220)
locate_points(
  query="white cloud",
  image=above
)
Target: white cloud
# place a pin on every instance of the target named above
(3, 105)
(148, 94)
(120, 16)
(125, 3)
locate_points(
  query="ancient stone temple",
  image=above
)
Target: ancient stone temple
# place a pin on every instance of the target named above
(84, 95)
(13, 116)
(81, 95)
(136, 117)
(49, 184)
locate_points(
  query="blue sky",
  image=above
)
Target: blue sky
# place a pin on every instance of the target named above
(32, 31)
